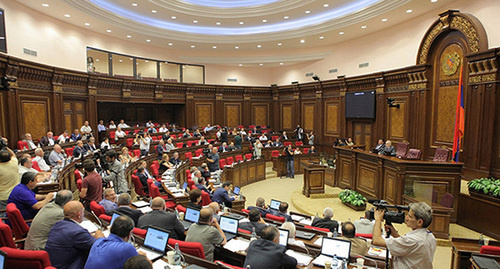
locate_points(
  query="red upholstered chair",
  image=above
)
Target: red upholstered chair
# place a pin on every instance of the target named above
(263, 126)
(240, 126)
(275, 218)
(36, 166)
(441, 155)
(251, 126)
(248, 156)
(211, 141)
(137, 153)
(79, 184)
(274, 137)
(222, 163)
(402, 149)
(245, 211)
(286, 144)
(191, 184)
(130, 143)
(154, 171)
(238, 158)
(243, 231)
(179, 144)
(490, 250)
(229, 160)
(188, 174)
(140, 232)
(226, 265)
(198, 152)
(26, 259)
(154, 191)
(191, 248)
(155, 138)
(156, 163)
(97, 208)
(6, 239)
(299, 143)
(136, 131)
(192, 143)
(17, 222)
(447, 200)
(305, 150)
(317, 228)
(189, 156)
(173, 136)
(22, 145)
(414, 154)
(180, 208)
(77, 174)
(368, 236)
(69, 151)
(205, 198)
(275, 153)
(139, 189)
(112, 137)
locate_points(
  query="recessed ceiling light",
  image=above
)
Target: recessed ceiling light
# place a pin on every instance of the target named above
(217, 23)
(97, 60)
(131, 59)
(87, 24)
(264, 20)
(363, 26)
(236, 47)
(321, 37)
(45, 5)
(214, 47)
(326, 5)
(148, 40)
(193, 46)
(286, 17)
(341, 33)
(240, 65)
(121, 61)
(173, 17)
(134, 4)
(242, 22)
(129, 36)
(409, 11)
(170, 44)
(279, 44)
(434, 1)
(146, 61)
(67, 15)
(308, 11)
(261, 64)
(302, 41)
(281, 63)
(384, 19)
(154, 11)
(195, 21)
(259, 46)
(109, 31)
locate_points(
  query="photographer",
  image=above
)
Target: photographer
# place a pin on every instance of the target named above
(144, 142)
(9, 172)
(115, 173)
(416, 248)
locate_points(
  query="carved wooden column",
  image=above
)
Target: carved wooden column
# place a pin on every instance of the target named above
(92, 115)
(13, 119)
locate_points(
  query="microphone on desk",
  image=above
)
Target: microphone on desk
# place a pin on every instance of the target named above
(99, 220)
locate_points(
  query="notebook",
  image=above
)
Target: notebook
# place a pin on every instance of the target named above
(333, 246)
(192, 215)
(304, 235)
(275, 204)
(229, 226)
(283, 237)
(155, 243)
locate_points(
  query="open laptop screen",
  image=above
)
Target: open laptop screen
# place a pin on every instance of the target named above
(229, 225)
(192, 215)
(156, 239)
(334, 246)
(184, 186)
(115, 215)
(275, 204)
(2, 259)
(236, 190)
(283, 237)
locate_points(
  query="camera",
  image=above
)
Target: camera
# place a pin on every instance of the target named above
(206, 152)
(3, 144)
(396, 215)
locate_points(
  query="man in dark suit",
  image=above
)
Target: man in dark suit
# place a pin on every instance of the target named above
(200, 182)
(380, 146)
(175, 159)
(161, 148)
(124, 202)
(256, 222)
(223, 148)
(68, 243)
(221, 195)
(143, 176)
(162, 219)
(283, 212)
(388, 150)
(79, 151)
(90, 146)
(260, 204)
(48, 140)
(204, 170)
(326, 221)
(266, 253)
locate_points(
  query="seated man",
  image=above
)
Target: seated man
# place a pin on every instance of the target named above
(90, 146)
(416, 248)
(25, 199)
(138, 262)
(364, 225)
(9, 174)
(122, 124)
(379, 147)
(388, 149)
(112, 252)
(255, 222)
(28, 139)
(207, 232)
(195, 199)
(202, 141)
(231, 147)
(278, 143)
(223, 148)
(260, 204)
(169, 144)
(216, 209)
(119, 133)
(312, 150)
(266, 253)
(26, 165)
(56, 157)
(283, 212)
(40, 160)
(68, 243)
(359, 246)
(79, 151)
(124, 203)
(109, 201)
(175, 160)
(143, 177)
(48, 140)
(221, 195)
(75, 136)
(326, 221)
(43, 222)
(291, 235)
(63, 138)
(161, 149)
(204, 170)
(92, 184)
(201, 182)
(162, 219)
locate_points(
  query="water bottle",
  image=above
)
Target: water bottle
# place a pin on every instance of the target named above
(177, 213)
(335, 262)
(345, 263)
(481, 240)
(335, 233)
(254, 234)
(177, 255)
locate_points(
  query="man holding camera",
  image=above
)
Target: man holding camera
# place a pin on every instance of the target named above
(9, 172)
(416, 248)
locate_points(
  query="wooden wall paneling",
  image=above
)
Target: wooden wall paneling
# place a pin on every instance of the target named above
(204, 113)
(232, 114)
(397, 119)
(35, 115)
(308, 116)
(260, 114)
(331, 119)
(287, 116)
(3, 113)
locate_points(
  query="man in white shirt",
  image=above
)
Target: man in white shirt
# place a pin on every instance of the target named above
(40, 160)
(163, 129)
(86, 130)
(416, 248)
(119, 133)
(122, 124)
(291, 235)
(112, 125)
(63, 138)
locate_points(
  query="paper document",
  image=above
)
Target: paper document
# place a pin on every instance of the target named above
(145, 209)
(318, 242)
(236, 245)
(140, 204)
(89, 226)
(377, 252)
(306, 221)
(302, 258)
(297, 218)
(178, 194)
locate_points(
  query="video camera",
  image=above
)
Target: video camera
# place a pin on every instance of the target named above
(3, 144)
(390, 216)
(101, 155)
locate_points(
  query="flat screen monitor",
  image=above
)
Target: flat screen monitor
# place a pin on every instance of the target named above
(229, 225)
(236, 190)
(156, 239)
(115, 215)
(192, 215)
(360, 105)
(275, 204)
(334, 246)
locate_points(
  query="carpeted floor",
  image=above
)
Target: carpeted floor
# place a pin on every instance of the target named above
(290, 190)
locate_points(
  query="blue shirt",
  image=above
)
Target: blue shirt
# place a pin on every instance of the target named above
(108, 205)
(220, 196)
(68, 244)
(101, 128)
(110, 253)
(24, 198)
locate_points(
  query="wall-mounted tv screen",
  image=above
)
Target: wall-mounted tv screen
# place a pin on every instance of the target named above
(360, 105)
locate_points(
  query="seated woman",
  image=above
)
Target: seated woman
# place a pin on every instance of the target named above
(297, 151)
(164, 164)
(105, 143)
(350, 143)
(125, 157)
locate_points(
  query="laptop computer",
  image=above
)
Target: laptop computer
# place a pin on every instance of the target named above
(236, 190)
(3, 256)
(275, 204)
(229, 226)
(184, 186)
(115, 215)
(304, 235)
(192, 215)
(283, 237)
(333, 246)
(155, 243)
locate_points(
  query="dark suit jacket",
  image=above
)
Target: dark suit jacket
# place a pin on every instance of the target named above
(325, 223)
(87, 147)
(193, 205)
(391, 151)
(174, 161)
(160, 151)
(202, 188)
(165, 220)
(264, 253)
(143, 178)
(249, 225)
(263, 212)
(127, 211)
(45, 141)
(78, 152)
(284, 215)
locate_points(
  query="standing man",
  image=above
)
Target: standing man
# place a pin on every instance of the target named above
(9, 174)
(86, 130)
(237, 141)
(289, 161)
(115, 173)
(213, 160)
(92, 184)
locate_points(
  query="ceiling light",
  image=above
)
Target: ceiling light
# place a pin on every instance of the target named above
(173, 17)
(45, 5)
(321, 37)
(261, 64)
(146, 61)
(281, 63)
(286, 17)
(326, 5)
(308, 11)
(170, 44)
(154, 11)
(109, 31)
(302, 41)
(236, 47)
(129, 36)
(217, 23)
(384, 19)
(214, 47)
(148, 40)
(259, 46)
(67, 15)
(131, 59)
(87, 24)
(242, 22)
(121, 61)
(363, 27)
(240, 65)
(193, 46)
(97, 60)
(341, 33)
(134, 4)
(434, 1)
(264, 20)
(409, 11)
(279, 44)
(195, 21)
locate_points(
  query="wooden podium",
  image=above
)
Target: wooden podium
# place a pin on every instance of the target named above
(314, 178)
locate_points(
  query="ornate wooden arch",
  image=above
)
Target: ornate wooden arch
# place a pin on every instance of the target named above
(453, 20)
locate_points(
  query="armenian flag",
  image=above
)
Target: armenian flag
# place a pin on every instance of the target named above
(459, 118)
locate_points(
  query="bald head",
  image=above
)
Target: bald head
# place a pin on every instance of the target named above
(74, 210)
(206, 215)
(158, 203)
(215, 207)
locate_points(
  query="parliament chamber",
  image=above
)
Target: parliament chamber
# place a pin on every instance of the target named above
(414, 107)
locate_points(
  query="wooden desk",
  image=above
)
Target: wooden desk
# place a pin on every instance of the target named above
(245, 173)
(462, 250)
(279, 163)
(314, 178)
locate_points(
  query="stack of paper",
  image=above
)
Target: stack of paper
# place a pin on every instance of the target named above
(297, 218)
(236, 245)
(378, 252)
(306, 221)
(302, 259)
(318, 242)
(140, 204)
(145, 209)
(89, 226)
